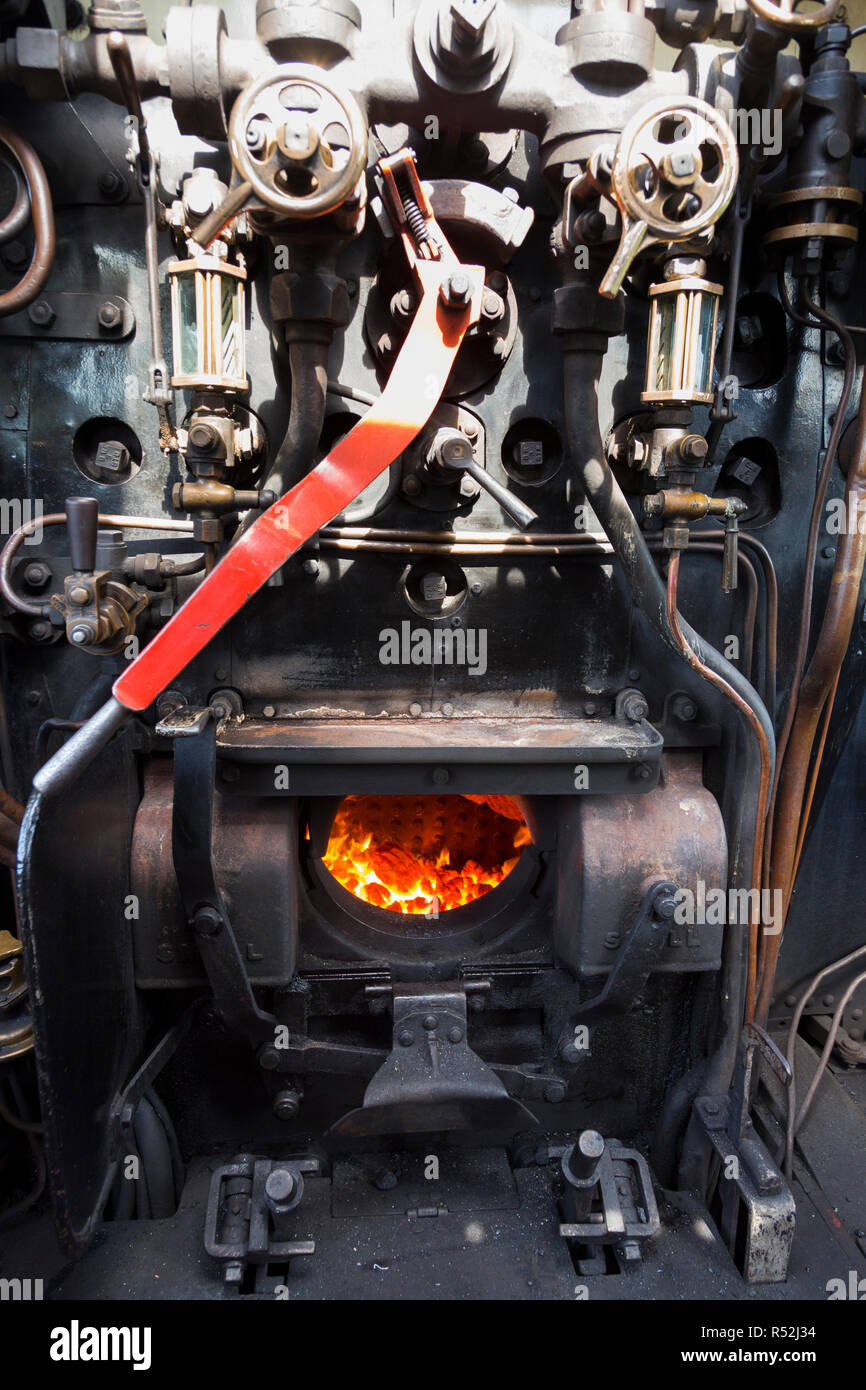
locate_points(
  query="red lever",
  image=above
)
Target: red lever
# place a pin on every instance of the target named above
(450, 302)
(413, 389)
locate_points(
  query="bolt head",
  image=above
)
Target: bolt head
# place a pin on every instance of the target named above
(280, 1183)
(694, 447)
(111, 185)
(492, 306)
(298, 138)
(681, 163)
(36, 574)
(202, 436)
(41, 314)
(665, 906)
(456, 289)
(15, 253)
(385, 1181)
(286, 1105)
(109, 315)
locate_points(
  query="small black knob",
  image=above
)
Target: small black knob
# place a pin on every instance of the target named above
(82, 525)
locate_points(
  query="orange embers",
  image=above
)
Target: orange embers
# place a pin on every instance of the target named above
(424, 854)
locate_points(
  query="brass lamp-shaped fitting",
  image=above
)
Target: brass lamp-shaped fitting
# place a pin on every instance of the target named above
(207, 324)
(682, 336)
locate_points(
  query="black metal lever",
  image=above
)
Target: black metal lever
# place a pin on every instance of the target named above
(451, 452)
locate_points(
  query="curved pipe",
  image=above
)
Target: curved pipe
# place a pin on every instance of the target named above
(152, 1144)
(18, 215)
(39, 269)
(758, 733)
(820, 678)
(308, 363)
(17, 538)
(582, 368)
(622, 530)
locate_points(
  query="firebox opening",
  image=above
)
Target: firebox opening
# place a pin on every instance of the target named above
(423, 855)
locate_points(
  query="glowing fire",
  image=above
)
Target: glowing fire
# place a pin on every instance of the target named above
(387, 874)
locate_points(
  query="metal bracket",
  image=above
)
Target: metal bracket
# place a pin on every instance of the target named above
(432, 1080)
(637, 958)
(616, 1199)
(250, 1213)
(75, 314)
(758, 1213)
(192, 850)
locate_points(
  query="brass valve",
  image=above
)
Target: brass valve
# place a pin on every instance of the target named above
(99, 612)
(678, 506)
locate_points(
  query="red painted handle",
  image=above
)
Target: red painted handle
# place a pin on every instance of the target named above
(414, 388)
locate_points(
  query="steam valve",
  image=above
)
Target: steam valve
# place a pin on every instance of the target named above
(450, 454)
(679, 505)
(99, 612)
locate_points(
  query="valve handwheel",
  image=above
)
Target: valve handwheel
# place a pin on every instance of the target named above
(784, 14)
(299, 143)
(673, 174)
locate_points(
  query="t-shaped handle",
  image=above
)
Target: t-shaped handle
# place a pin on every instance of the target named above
(452, 452)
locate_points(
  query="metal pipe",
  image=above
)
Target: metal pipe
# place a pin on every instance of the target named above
(811, 546)
(19, 535)
(18, 215)
(759, 734)
(33, 279)
(308, 364)
(582, 367)
(814, 984)
(822, 673)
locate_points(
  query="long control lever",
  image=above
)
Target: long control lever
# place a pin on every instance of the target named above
(414, 387)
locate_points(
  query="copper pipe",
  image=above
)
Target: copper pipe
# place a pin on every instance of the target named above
(10, 807)
(750, 615)
(757, 730)
(18, 215)
(39, 269)
(18, 536)
(8, 832)
(811, 547)
(813, 781)
(814, 693)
